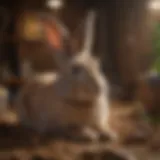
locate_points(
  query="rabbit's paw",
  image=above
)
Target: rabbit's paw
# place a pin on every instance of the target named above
(104, 137)
(106, 134)
(84, 134)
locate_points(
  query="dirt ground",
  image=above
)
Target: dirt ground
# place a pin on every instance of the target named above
(18, 143)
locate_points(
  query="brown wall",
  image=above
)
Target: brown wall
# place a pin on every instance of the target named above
(126, 34)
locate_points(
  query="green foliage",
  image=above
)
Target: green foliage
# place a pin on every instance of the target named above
(156, 47)
(154, 119)
(156, 39)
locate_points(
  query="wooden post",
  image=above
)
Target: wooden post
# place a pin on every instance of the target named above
(127, 38)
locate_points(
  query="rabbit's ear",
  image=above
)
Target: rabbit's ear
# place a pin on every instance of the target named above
(57, 37)
(55, 33)
(85, 33)
(53, 36)
(77, 40)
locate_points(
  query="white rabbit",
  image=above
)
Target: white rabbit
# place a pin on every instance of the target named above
(77, 98)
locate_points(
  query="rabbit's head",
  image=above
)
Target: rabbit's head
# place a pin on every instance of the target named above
(82, 76)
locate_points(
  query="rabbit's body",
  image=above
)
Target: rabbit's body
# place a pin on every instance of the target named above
(65, 102)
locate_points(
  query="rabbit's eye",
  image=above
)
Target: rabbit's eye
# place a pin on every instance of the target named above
(77, 69)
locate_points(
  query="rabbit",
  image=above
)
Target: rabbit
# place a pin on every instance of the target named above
(76, 101)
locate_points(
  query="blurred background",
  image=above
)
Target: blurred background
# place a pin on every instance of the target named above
(129, 46)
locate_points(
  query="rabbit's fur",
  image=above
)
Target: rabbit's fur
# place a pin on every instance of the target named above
(77, 98)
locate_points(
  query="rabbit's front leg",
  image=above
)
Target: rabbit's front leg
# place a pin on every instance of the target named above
(104, 130)
(106, 134)
(103, 134)
(101, 119)
(82, 133)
